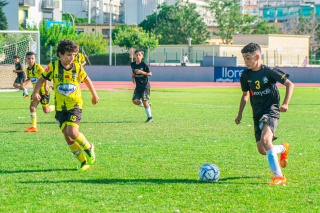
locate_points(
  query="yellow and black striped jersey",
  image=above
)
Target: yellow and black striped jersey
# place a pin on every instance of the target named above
(67, 92)
(34, 74)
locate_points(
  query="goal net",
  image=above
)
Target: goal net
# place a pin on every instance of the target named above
(16, 43)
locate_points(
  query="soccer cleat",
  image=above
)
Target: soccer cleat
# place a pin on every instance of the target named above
(84, 166)
(277, 180)
(31, 129)
(91, 157)
(284, 156)
(26, 96)
(149, 120)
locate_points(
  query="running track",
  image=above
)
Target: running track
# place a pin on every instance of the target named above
(113, 85)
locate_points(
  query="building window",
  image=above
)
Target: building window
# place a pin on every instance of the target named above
(79, 30)
(105, 32)
(48, 15)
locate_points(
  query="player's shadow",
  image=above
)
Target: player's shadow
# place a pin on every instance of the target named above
(7, 131)
(43, 122)
(139, 181)
(33, 170)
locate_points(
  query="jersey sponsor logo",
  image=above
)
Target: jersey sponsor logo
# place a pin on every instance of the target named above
(249, 81)
(283, 76)
(261, 93)
(139, 75)
(265, 80)
(56, 76)
(66, 76)
(47, 69)
(34, 80)
(66, 89)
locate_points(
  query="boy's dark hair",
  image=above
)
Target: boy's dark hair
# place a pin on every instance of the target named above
(251, 48)
(186, 54)
(30, 53)
(16, 56)
(66, 45)
(142, 52)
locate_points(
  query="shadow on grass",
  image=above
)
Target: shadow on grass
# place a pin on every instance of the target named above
(85, 122)
(34, 170)
(7, 131)
(137, 181)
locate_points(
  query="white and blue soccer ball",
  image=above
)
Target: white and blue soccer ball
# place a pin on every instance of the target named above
(209, 173)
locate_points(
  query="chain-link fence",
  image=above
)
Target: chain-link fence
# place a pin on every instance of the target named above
(172, 55)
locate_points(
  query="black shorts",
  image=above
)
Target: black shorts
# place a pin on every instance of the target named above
(19, 80)
(258, 124)
(44, 100)
(70, 117)
(143, 94)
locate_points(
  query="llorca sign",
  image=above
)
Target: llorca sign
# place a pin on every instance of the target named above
(228, 74)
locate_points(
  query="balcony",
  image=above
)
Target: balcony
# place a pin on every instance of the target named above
(27, 3)
(50, 4)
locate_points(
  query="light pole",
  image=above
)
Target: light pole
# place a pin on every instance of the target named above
(110, 45)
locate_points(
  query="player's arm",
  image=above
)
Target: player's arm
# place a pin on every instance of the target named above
(289, 90)
(243, 102)
(95, 99)
(133, 78)
(137, 71)
(18, 71)
(46, 87)
(37, 87)
(84, 63)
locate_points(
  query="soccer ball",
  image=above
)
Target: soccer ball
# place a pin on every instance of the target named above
(209, 173)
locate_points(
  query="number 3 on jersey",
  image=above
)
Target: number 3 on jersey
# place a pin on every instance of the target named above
(257, 84)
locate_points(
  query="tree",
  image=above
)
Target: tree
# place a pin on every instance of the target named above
(3, 18)
(67, 17)
(307, 26)
(228, 18)
(125, 36)
(260, 27)
(175, 23)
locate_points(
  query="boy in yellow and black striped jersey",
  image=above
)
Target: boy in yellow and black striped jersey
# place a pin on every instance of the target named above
(34, 72)
(68, 99)
(79, 58)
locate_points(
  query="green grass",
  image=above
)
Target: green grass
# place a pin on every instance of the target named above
(159, 161)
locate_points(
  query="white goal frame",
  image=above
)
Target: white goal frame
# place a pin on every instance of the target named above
(27, 32)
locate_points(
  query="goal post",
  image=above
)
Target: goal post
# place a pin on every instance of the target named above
(16, 43)
(33, 38)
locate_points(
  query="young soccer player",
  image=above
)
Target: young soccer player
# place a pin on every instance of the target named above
(68, 99)
(259, 82)
(34, 72)
(21, 76)
(140, 73)
(80, 59)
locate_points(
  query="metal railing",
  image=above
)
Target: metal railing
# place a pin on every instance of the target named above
(27, 2)
(50, 4)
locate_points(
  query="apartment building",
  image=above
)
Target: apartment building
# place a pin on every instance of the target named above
(249, 7)
(30, 12)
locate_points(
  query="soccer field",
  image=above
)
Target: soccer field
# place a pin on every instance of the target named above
(153, 167)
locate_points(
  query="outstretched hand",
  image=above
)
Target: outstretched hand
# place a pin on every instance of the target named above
(238, 120)
(95, 99)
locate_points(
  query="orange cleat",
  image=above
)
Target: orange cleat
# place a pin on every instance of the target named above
(284, 156)
(27, 96)
(278, 180)
(31, 129)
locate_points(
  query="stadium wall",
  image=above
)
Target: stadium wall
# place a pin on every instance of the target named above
(189, 74)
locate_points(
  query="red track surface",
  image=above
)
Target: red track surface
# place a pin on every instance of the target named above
(111, 85)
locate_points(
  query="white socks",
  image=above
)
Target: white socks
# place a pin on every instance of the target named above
(25, 92)
(141, 104)
(148, 111)
(279, 148)
(273, 162)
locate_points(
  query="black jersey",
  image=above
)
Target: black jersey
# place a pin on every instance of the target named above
(18, 66)
(264, 93)
(142, 81)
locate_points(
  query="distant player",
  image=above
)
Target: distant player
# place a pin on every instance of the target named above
(259, 82)
(79, 58)
(140, 73)
(21, 76)
(34, 72)
(66, 76)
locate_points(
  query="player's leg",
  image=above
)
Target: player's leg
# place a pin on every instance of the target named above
(266, 140)
(147, 107)
(75, 149)
(33, 116)
(74, 117)
(45, 104)
(136, 98)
